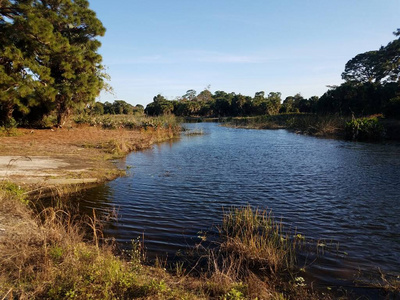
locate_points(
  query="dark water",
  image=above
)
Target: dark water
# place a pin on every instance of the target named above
(341, 192)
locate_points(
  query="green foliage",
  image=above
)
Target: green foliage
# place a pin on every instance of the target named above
(222, 104)
(378, 66)
(48, 58)
(159, 106)
(237, 292)
(164, 126)
(365, 129)
(14, 191)
(361, 99)
(118, 107)
(98, 108)
(9, 128)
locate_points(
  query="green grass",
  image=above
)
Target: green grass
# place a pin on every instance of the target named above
(15, 191)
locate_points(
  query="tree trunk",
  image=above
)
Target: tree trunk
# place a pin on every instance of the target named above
(6, 117)
(63, 111)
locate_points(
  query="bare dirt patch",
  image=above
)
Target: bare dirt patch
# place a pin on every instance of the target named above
(67, 156)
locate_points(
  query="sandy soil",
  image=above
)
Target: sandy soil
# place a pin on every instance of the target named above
(65, 156)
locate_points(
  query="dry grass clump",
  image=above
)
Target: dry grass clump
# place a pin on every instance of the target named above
(152, 130)
(317, 125)
(46, 256)
(258, 240)
(311, 124)
(256, 259)
(128, 121)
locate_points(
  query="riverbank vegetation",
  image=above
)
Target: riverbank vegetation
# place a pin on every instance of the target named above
(51, 253)
(51, 73)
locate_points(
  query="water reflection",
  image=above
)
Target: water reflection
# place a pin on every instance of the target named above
(342, 192)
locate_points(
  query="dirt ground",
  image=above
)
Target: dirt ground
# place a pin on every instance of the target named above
(66, 156)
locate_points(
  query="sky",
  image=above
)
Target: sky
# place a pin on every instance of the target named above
(290, 46)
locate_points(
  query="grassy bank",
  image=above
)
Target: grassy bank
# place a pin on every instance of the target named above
(54, 255)
(369, 128)
(303, 123)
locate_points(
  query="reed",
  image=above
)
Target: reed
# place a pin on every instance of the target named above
(311, 124)
(261, 243)
(317, 125)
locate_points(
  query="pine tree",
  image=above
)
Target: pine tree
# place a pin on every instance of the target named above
(49, 55)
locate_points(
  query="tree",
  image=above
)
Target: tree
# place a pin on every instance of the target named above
(258, 104)
(390, 61)
(121, 107)
(240, 105)
(24, 82)
(273, 103)
(362, 68)
(159, 106)
(98, 108)
(108, 108)
(378, 66)
(50, 46)
(223, 101)
(190, 95)
(204, 96)
(74, 62)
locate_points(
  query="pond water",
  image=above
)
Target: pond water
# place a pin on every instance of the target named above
(344, 193)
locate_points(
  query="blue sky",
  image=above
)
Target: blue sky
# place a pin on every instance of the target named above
(290, 46)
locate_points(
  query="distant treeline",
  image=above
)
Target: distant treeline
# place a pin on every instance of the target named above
(118, 107)
(222, 104)
(346, 99)
(372, 86)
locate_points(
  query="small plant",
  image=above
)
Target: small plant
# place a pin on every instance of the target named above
(237, 292)
(14, 191)
(9, 129)
(365, 129)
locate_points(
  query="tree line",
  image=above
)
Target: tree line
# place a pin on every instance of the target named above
(372, 86)
(49, 64)
(48, 59)
(118, 107)
(223, 104)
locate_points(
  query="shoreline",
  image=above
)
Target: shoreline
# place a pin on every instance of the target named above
(52, 159)
(66, 161)
(100, 153)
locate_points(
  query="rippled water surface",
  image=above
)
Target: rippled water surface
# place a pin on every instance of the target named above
(338, 191)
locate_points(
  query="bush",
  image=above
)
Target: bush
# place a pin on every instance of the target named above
(365, 129)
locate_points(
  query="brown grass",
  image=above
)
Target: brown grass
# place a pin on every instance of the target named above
(311, 124)
(50, 258)
(86, 150)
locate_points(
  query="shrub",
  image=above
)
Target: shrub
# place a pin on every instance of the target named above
(364, 129)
